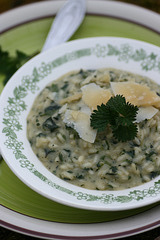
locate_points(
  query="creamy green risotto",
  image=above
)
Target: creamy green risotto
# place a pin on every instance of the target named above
(59, 131)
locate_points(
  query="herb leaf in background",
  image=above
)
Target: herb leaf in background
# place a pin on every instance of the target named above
(10, 64)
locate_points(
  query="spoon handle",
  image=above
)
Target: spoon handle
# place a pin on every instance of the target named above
(65, 23)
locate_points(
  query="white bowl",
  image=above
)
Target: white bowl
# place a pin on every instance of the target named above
(20, 92)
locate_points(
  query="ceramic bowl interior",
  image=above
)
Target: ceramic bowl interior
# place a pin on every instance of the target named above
(19, 94)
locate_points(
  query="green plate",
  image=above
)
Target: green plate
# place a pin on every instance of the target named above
(29, 38)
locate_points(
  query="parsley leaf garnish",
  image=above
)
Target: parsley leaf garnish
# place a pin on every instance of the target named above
(10, 64)
(119, 115)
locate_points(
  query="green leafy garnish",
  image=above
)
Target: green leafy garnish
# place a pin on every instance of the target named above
(10, 64)
(119, 115)
(53, 88)
(49, 125)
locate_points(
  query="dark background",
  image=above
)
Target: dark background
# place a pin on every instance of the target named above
(153, 5)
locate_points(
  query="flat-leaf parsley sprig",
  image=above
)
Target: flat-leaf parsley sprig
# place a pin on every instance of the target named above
(119, 115)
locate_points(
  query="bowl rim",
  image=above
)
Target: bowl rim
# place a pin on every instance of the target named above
(86, 196)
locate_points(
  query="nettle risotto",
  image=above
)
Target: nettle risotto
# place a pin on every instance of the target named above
(59, 131)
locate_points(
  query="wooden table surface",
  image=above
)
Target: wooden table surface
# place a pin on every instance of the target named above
(153, 5)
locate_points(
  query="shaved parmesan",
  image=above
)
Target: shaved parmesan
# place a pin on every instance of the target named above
(72, 98)
(80, 121)
(93, 95)
(63, 109)
(145, 113)
(85, 109)
(137, 94)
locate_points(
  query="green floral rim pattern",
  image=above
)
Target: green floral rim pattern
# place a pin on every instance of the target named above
(16, 105)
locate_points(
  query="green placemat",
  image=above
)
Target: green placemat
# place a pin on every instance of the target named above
(29, 38)
(18, 197)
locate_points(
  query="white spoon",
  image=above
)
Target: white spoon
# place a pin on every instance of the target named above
(65, 23)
